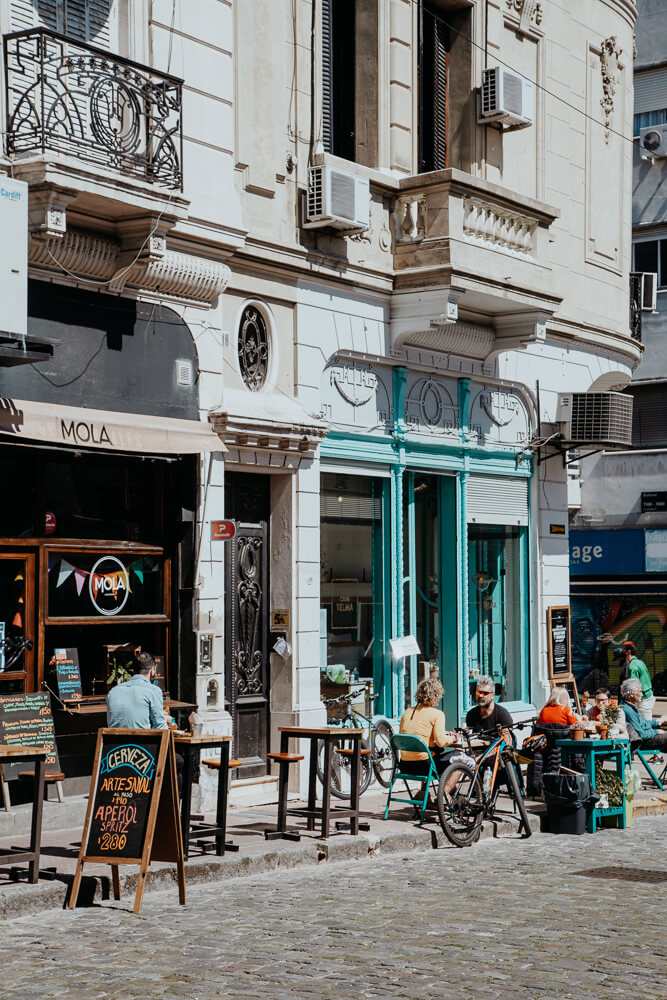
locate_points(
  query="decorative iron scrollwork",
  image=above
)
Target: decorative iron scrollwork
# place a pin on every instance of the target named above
(65, 97)
(248, 656)
(253, 348)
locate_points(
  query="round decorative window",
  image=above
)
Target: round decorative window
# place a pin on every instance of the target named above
(253, 348)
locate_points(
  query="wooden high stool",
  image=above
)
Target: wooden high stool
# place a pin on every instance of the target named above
(348, 752)
(50, 778)
(284, 761)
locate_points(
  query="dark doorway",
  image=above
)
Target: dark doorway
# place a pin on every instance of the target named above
(247, 503)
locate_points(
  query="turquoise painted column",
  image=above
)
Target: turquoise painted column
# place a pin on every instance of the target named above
(398, 473)
(411, 579)
(462, 547)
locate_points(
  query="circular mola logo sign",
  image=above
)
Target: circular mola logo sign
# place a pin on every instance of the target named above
(109, 585)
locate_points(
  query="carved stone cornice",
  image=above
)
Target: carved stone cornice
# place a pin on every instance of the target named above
(156, 269)
(266, 429)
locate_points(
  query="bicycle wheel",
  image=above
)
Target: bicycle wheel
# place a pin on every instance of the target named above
(515, 791)
(462, 809)
(381, 755)
(341, 769)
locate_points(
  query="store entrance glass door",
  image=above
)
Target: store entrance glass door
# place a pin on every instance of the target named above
(17, 621)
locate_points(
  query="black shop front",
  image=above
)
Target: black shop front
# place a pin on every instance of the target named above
(99, 461)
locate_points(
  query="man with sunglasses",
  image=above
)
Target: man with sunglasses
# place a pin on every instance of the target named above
(487, 716)
(595, 712)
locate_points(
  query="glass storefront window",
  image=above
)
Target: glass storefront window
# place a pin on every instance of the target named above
(104, 584)
(495, 615)
(351, 576)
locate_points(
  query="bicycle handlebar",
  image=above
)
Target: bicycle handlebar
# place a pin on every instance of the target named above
(345, 697)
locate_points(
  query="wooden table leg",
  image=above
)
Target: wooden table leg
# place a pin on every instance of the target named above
(312, 781)
(186, 798)
(115, 881)
(326, 791)
(223, 791)
(36, 824)
(356, 777)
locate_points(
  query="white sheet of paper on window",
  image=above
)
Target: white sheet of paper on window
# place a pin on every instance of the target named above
(282, 648)
(407, 645)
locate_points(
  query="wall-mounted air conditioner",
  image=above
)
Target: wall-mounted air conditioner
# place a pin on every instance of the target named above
(595, 419)
(506, 97)
(337, 198)
(647, 289)
(653, 141)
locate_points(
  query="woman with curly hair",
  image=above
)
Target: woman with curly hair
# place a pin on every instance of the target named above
(425, 720)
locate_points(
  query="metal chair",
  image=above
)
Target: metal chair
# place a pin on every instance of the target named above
(642, 756)
(429, 774)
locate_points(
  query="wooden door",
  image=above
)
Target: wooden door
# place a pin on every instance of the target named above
(17, 622)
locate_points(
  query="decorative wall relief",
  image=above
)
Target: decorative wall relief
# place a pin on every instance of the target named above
(609, 56)
(530, 11)
(499, 416)
(356, 395)
(430, 405)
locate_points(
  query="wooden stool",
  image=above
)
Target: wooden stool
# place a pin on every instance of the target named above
(281, 832)
(50, 778)
(348, 751)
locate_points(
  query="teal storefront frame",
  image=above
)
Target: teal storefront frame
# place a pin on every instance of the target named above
(402, 455)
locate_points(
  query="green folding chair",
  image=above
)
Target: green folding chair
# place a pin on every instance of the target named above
(643, 756)
(413, 744)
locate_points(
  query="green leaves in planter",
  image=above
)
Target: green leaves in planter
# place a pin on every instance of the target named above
(608, 782)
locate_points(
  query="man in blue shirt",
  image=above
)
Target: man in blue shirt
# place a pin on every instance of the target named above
(643, 732)
(138, 703)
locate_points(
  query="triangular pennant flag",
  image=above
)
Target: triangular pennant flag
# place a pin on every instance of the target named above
(66, 570)
(137, 569)
(79, 579)
(53, 562)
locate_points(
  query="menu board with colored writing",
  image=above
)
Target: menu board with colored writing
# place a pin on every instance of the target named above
(26, 721)
(68, 674)
(124, 789)
(558, 637)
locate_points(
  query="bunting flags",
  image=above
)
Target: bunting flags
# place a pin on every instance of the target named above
(66, 570)
(139, 567)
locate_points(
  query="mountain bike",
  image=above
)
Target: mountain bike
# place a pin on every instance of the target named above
(378, 762)
(474, 794)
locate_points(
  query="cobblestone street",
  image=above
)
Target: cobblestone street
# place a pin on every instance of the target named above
(506, 918)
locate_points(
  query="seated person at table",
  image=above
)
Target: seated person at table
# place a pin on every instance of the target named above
(643, 732)
(138, 703)
(487, 717)
(594, 713)
(427, 721)
(557, 710)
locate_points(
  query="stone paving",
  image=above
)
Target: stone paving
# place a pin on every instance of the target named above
(507, 918)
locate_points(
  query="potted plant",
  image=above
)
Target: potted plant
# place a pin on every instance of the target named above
(609, 716)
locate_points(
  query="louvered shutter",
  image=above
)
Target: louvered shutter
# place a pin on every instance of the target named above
(650, 91)
(327, 78)
(92, 21)
(497, 500)
(26, 14)
(439, 96)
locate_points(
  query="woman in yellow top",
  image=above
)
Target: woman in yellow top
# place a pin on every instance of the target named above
(427, 721)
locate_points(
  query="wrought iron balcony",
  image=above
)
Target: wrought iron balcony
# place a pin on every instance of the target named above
(66, 97)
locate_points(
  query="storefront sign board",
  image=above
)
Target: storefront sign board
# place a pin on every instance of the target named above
(132, 815)
(26, 721)
(558, 641)
(607, 553)
(656, 551)
(222, 531)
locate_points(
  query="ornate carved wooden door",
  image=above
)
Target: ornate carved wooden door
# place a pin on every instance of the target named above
(247, 675)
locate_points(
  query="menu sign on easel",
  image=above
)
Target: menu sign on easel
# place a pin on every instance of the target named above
(558, 639)
(26, 721)
(132, 813)
(68, 674)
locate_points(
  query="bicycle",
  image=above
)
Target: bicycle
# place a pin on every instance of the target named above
(475, 792)
(379, 762)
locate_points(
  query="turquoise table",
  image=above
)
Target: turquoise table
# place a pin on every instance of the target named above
(592, 751)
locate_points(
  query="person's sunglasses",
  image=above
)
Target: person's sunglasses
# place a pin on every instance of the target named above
(477, 693)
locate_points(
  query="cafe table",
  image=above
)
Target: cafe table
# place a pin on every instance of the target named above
(329, 735)
(617, 750)
(36, 756)
(190, 746)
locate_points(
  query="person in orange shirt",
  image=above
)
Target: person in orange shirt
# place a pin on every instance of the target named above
(557, 709)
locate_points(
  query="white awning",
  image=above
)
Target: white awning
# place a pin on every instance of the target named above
(78, 427)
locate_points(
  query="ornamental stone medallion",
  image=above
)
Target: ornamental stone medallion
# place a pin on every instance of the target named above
(430, 405)
(356, 395)
(498, 416)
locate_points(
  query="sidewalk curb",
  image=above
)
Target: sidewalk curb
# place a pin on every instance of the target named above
(23, 900)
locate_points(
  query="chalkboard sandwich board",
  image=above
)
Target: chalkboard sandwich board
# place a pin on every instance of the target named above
(68, 674)
(26, 721)
(558, 638)
(132, 816)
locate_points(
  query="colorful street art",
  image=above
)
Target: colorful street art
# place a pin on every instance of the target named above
(641, 618)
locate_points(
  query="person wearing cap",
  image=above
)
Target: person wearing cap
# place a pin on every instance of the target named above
(637, 669)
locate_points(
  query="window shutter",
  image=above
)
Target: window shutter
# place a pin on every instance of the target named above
(91, 21)
(650, 91)
(26, 14)
(497, 500)
(439, 96)
(327, 77)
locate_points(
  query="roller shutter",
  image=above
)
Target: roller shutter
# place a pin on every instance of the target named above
(496, 500)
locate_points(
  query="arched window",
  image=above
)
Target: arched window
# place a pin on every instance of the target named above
(253, 348)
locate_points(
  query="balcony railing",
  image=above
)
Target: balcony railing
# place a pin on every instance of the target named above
(66, 97)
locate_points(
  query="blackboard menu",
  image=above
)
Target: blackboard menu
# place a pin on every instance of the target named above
(26, 721)
(68, 674)
(558, 635)
(122, 797)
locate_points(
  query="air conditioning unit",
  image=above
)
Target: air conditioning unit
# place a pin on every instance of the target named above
(653, 141)
(646, 284)
(595, 419)
(506, 97)
(337, 199)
